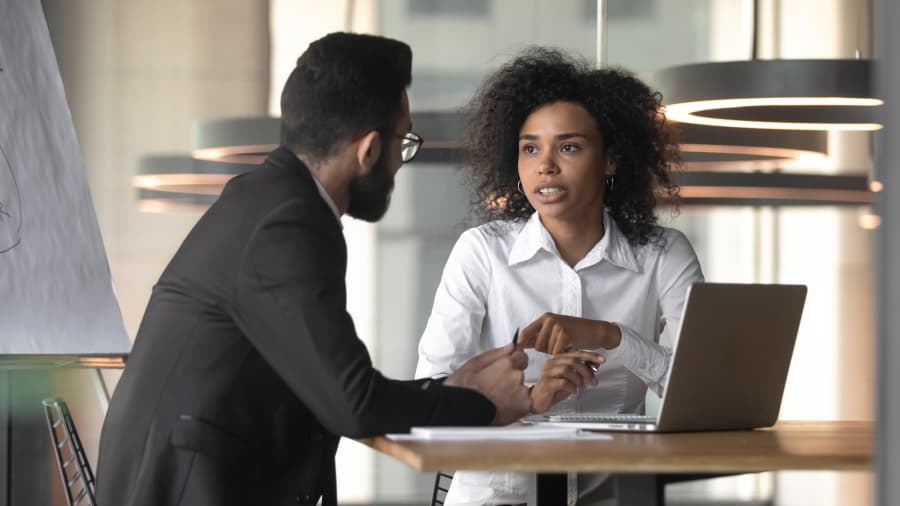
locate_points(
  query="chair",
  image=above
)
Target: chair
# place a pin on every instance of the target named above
(77, 477)
(441, 486)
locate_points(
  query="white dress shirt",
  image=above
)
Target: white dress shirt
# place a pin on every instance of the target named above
(327, 198)
(503, 275)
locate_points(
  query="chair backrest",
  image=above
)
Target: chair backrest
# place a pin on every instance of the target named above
(441, 486)
(74, 468)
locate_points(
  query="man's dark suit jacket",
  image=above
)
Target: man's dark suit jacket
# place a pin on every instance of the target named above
(247, 369)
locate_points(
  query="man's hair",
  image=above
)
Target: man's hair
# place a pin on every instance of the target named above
(343, 84)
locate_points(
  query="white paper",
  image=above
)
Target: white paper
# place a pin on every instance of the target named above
(622, 426)
(56, 293)
(510, 432)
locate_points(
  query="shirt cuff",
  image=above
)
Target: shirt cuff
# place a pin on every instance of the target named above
(646, 359)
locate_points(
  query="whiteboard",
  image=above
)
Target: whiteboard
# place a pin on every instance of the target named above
(56, 292)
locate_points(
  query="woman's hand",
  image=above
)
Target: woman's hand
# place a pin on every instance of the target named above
(555, 334)
(562, 376)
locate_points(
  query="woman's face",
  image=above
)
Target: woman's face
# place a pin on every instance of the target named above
(562, 163)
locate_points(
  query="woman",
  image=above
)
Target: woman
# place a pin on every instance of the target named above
(568, 163)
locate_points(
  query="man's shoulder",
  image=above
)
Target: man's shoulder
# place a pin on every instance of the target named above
(275, 179)
(265, 189)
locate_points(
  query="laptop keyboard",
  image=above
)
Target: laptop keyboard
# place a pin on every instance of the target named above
(587, 417)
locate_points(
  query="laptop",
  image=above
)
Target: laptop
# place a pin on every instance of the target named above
(729, 364)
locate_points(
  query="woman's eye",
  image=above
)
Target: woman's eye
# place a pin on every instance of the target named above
(528, 148)
(569, 147)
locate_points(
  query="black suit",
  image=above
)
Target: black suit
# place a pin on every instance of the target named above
(247, 369)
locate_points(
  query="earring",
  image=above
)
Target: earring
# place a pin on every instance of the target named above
(610, 182)
(519, 187)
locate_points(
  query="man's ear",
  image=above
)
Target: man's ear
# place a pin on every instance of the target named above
(368, 149)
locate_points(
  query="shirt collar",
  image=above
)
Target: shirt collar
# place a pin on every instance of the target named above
(286, 159)
(613, 246)
(532, 238)
(327, 198)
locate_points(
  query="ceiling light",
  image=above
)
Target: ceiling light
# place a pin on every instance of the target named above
(772, 94)
(236, 140)
(772, 189)
(181, 183)
(719, 149)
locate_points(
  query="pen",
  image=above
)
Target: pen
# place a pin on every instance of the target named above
(590, 365)
(516, 338)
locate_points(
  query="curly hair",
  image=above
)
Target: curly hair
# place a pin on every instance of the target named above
(628, 113)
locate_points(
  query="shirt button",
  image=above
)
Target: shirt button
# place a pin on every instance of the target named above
(316, 436)
(304, 498)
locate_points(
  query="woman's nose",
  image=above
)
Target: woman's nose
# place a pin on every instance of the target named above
(547, 166)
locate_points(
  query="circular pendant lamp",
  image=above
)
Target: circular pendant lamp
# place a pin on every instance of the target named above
(181, 183)
(248, 140)
(226, 148)
(236, 140)
(772, 94)
(773, 189)
(707, 148)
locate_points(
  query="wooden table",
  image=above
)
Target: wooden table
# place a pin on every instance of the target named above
(644, 463)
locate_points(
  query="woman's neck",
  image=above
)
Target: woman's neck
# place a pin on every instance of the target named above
(575, 239)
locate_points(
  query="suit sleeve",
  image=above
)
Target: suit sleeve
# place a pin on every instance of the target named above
(290, 302)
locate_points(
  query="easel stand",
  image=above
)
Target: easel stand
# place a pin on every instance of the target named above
(26, 458)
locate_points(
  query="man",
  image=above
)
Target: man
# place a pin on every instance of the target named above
(246, 368)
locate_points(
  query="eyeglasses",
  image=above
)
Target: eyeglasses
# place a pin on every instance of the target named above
(410, 146)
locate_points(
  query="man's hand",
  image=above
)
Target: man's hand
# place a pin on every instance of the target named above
(498, 375)
(562, 376)
(554, 334)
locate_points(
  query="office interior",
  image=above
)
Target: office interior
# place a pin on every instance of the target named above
(143, 78)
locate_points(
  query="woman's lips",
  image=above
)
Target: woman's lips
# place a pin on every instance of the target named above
(550, 194)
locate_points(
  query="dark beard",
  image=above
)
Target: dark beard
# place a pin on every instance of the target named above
(370, 194)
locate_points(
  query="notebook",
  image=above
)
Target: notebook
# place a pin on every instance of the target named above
(729, 364)
(508, 433)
